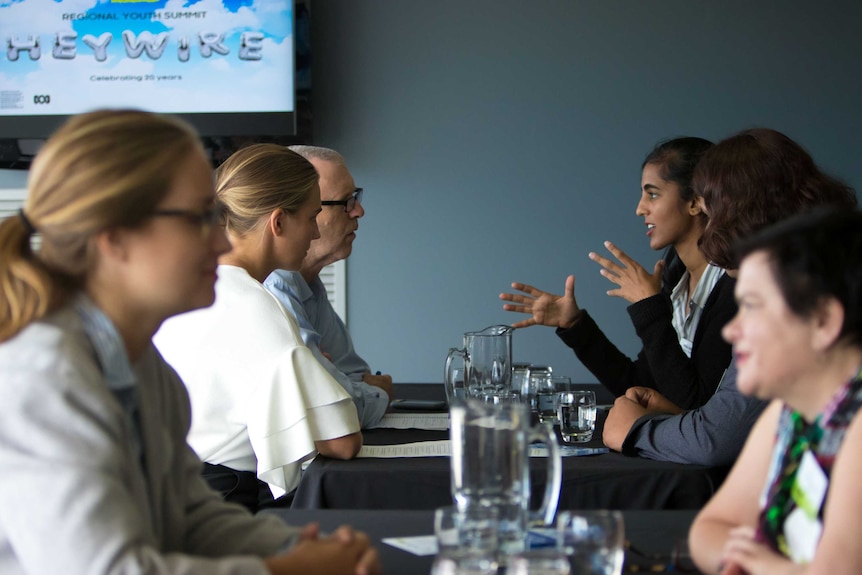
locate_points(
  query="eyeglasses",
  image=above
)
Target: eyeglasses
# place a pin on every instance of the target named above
(349, 203)
(205, 219)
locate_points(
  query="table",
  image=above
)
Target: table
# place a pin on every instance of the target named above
(607, 481)
(652, 535)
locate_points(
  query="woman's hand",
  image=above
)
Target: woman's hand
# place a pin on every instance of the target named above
(344, 552)
(619, 421)
(634, 281)
(651, 400)
(743, 554)
(545, 308)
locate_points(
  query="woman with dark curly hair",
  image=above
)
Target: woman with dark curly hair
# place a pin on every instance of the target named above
(744, 183)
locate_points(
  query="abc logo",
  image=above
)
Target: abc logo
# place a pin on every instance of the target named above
(42, 99)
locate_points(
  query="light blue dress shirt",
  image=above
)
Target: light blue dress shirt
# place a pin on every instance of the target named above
(323, 331)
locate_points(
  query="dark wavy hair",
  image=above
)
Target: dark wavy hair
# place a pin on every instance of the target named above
(756, 178)
(815, 256)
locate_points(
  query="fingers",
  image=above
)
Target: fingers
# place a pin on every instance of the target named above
(310, 532)
(518, 308)
(345, 534)
(659, 266)
(524, 323)
(526, 288)
(605, 263)
(369, 563)
(729, 569)
(619, 254)
(515, 298)
(569, 290)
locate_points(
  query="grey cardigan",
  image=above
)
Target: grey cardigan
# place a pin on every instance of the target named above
(709, 435)
(73, 496)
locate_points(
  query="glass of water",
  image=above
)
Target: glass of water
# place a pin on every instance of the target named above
(539, 562)
(537, 374)
(594, 541)
(548, 389)
(576, 411)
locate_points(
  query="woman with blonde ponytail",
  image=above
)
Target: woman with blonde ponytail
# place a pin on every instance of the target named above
(96, 474)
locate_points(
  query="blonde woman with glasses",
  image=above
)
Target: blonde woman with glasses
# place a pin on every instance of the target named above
(97, 476)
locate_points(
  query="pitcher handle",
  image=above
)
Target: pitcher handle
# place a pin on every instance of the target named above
(448, 379)
(545, 433)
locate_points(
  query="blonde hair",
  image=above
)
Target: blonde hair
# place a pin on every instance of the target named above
(99, 170)
(260, 178)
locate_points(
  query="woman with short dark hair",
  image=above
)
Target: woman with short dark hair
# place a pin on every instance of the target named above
(791, 503)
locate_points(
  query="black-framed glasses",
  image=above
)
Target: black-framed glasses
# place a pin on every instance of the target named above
(349, 203)
(206, 219)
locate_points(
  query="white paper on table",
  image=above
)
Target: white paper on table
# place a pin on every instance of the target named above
(441, 448)
(435, 421)
(540, 450)
(420, 545)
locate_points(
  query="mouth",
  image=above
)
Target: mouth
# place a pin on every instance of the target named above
(650, 228)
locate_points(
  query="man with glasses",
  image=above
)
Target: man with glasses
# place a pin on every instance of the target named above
(303, 293)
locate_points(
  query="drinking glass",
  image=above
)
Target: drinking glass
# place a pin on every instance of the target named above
(473, 529)
(538, 382)
(548, 389)
(576, 411)
(521, 379)
(464, 563)
(539, 562)
(501, 398)
(593, 540)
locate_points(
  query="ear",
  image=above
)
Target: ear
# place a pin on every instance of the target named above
(110, 244)
(275, 222)
(828, 320)
(694, 207)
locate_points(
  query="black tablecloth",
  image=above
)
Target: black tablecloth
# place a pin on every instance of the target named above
(653, 535)
(607, 481)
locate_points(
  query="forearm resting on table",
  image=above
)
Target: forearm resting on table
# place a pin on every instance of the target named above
(344, 447)
(383, 381)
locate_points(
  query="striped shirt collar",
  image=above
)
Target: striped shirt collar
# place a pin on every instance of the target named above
(707, 281)
(685, 324)
(109, 346)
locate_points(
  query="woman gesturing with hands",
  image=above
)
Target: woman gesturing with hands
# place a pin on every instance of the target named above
(552, 310)
(545, 308)
(635, 283)
(677, 310)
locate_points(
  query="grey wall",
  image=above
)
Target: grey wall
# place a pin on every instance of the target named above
(501, 140)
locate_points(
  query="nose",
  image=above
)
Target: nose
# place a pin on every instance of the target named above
(641, 210)
(316, 233)
(358, 211)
